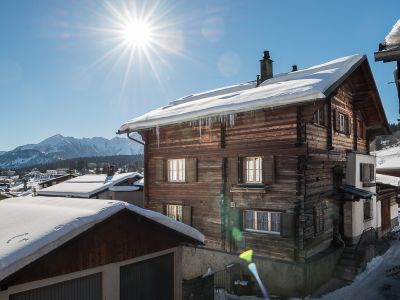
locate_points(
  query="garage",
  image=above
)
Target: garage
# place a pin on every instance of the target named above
(148, 280)
(84, 288)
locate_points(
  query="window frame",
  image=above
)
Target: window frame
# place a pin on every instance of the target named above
(177, 210)
(257, 179)
(319, 117)
(181, 171)
(269, 221)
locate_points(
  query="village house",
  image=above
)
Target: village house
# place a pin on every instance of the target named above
(60, 248)
(126, 187)
(280, 165)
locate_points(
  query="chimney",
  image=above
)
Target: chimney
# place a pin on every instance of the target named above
(111, 170)
(266, 67)
(294, 68)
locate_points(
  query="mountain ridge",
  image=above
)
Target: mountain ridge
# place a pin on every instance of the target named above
(59, 147)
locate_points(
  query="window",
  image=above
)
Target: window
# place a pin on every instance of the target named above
(319, 117)
(367, 209)
(341, 122)
(175, 212)
(262, 221)
(318, 220)
(367, 172)
(253, 169)
(176, 170)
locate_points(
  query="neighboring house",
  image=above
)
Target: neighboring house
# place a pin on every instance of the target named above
(388, 161)
(388, 189)
(58, 248)
(55, 180)
(115, 187)
(272, 165)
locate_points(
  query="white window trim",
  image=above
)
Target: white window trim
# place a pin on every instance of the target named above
(246, 172)
(174, 163)
(255, 222)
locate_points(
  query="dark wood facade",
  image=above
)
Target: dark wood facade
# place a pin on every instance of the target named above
(302, 163)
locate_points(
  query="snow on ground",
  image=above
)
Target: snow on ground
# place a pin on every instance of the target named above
(373, 283)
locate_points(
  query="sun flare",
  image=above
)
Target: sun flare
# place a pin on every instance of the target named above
(137, 33)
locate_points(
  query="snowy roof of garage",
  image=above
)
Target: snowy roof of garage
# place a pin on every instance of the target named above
(31, 227)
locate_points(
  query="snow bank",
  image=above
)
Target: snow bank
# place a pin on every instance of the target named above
(393, 38)
(284, 89)
(31, 227)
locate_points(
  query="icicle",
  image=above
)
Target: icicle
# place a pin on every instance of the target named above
(200, 121)
(158, 135)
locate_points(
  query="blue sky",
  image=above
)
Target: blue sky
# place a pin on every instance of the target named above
(51, 80)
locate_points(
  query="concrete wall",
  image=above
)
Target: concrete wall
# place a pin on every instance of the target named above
(281, 278)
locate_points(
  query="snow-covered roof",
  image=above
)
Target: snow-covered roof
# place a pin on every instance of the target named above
(31, 227)
(291, 88)
(393, 38)
(87, 185)
(389, 180)
(388, 158)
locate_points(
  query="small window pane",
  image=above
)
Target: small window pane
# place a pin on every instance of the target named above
(175, 212)
(176, 170)
(253, 169)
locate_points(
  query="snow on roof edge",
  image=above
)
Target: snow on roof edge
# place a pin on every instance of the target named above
(345, 64)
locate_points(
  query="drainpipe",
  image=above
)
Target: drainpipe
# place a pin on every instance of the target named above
(135, 140)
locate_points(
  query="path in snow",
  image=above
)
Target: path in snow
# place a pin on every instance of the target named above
(373, 283)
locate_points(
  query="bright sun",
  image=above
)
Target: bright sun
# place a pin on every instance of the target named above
(137, 33)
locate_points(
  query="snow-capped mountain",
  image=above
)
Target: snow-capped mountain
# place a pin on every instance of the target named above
(59, 147)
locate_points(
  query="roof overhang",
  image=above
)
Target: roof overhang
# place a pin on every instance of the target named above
(357, 193)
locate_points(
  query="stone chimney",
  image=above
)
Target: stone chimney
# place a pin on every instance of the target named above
(266, 67)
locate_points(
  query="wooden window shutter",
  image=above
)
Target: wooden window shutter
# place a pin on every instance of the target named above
(347, 124)
(160, 170)
(326, 115)
(371, 172)
(191, 169)
(268, 169)
(233, 169)
(240, 170)
(365, 172)
(336, 121)
(287, 225)
(187, 215)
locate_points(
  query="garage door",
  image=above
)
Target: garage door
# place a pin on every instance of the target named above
(84, 288)
(148, 280)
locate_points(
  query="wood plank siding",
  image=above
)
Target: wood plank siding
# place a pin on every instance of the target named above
(300, 156)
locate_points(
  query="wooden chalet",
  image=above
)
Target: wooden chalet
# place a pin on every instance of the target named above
(276, 165)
